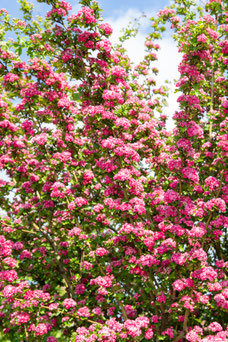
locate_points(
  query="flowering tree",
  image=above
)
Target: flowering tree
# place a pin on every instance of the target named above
(113, 227)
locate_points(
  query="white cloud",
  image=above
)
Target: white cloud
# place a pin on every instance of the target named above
(76, 8)
(168, 56)
(167, 64)
(6, 178)
(134, 46)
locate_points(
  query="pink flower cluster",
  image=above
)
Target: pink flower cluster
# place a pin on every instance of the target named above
(216, 202)
(106, 28)
(202, 38)
(181, 284)
(69, 303)
(191, 174)
(83, 312)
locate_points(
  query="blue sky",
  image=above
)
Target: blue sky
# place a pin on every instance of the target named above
(110, 7)
(114, 7)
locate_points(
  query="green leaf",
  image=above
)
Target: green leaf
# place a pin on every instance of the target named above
(76, 96)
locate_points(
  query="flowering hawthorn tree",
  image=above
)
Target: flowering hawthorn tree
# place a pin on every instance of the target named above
(113, 227)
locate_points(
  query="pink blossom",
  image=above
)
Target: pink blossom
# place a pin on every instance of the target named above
(221, 301)
(41, 329)
(89, 15)
(88, 176)
(147, 260)
(53, 306)
(64, 102)
(80, 289)
(49, 204)
(149, 242)
(166, 12)
(106, 28)
(132, 327)
(9, 275)
(80, 201)
(69, 303)
(168, 332)
(87, 265)
(25, 254)
(202, 38)
(154, 319)
(212, 33)
(179, 258)
(138, 205)
(171, 196)
(118, 71)
(52, 339)
(22, 317)
(211, 182)
(63, 156)
(9, 291)
(197, 232)
(83, 311)
(149, 334)
(40, 139)
(199, 254)
(225, 293)
(123, 174)
(192, 336)
(161, 298)
(71, 206)
(105, 281)
(75, 231)
(10, 77)
(97, 311)
(195, 130)
(214, 287)
(11, 262)
(142, 321)
(122, 122)
(205, 273)
(18, 245)
(216, 202)
(98, 207)
(215, 326)
(191, 174)
(130, 311)
(184, 144)
(178, 285)
(104, 45)
(101, 251)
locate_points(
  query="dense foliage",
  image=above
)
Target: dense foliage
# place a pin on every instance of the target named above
(113, 227)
